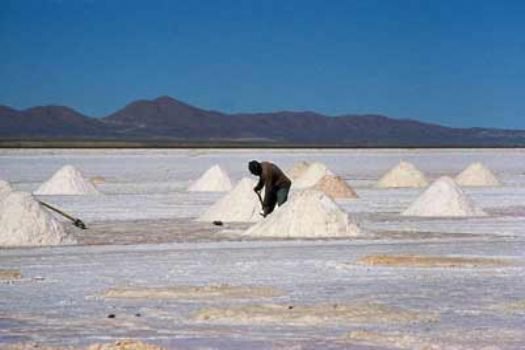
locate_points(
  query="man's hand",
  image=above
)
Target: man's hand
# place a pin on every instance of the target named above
(265, 211)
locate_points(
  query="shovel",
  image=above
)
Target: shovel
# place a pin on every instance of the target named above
(260, 201)
(77, 222)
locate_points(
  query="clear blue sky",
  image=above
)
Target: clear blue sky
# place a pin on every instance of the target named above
(459, 63)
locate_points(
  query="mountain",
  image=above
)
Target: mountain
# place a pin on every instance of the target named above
(168, 119)
(49, 122)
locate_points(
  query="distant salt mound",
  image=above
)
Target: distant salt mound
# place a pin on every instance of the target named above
(477, 174)
(404, 174)
(23, 222)
(215, 179)
(97, 180)
(312, 175)
(239, 205)
(5, 189)
(308, 213)
(297, 170)
(442, 199)
(335, 187)
(67, 181)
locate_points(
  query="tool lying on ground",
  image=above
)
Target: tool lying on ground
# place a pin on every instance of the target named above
(262, 204)
(77, 222)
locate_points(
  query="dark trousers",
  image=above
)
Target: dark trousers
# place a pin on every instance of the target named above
(278, 196)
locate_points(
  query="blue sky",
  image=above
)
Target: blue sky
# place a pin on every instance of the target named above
(458, 63)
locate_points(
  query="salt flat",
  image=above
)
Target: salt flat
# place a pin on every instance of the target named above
(143, 235)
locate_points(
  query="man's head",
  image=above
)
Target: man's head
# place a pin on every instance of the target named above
(255, 167)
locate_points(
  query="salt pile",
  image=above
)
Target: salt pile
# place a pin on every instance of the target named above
(477, 174)
(335, 187)
(97, 179)
(404, 174)
(308, 213)
(23, 222)
(5, 189)
(215, 179)
(297, 170)
(239, 205)
(443, 198)
(312, 175)
(67, 181)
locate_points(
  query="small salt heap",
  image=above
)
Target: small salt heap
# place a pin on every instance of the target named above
(68, 180)
(97, 180)
(442, 199)
(5, 189)
(239, 205)
(297, 170)
(335, 187)
(477, 174)
(215, 179)
(404, 174)
(308, 213)
(24, 222)
(312, 175)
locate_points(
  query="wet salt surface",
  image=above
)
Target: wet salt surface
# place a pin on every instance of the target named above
(142, 233)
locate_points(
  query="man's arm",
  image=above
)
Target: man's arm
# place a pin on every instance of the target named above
(267, 196)
(259, 185)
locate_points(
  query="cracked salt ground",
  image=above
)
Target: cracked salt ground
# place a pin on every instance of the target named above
(74, 281)
(145, 236)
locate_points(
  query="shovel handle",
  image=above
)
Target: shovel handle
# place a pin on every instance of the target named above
(77, 222)
(260, 198)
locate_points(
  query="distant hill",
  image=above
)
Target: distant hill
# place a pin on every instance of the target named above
(49, 122)
(167, 119)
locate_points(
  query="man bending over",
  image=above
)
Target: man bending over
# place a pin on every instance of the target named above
(276, 184)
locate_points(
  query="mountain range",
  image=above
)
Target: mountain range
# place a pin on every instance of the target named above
(167, 119)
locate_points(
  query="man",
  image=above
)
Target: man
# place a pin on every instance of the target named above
(276, 184)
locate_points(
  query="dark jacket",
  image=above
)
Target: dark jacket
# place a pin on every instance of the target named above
(272, 179)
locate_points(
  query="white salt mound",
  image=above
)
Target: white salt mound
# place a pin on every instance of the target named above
(312, 175)
(239, 205)
(24, 222)
(297, 170)
(404, 174)
(443, 198)
(308, 213)
(477, 174)
(5, 189)
(68, 180)
(335, 187)
(215, 179)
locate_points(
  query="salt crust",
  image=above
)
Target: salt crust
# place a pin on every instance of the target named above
(430, 261)
(67, 181)
(317, 314)
(9, 274)
(404, 174)
(477, 174)
(308, 213)
(215, 179)
(24, 222)
(444, 198)
(239, 205)
(491, 338)
(207, 292)
(125, 344)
